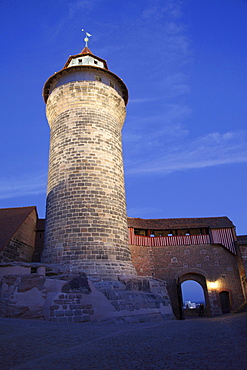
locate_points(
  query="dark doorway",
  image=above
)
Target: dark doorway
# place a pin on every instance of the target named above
(225, 302)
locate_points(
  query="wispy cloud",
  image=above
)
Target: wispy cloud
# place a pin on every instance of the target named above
(166, 83)
(73, 12)
(213, 149)
(13, 187)
(161, 143)
(144, 100)
(155, 130)
(156, 9)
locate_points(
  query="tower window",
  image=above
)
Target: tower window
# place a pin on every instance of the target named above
(112, 84)
(80, 61)
(98, 78)
(95, 62)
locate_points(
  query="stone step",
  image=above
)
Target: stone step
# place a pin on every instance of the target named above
(241, 308)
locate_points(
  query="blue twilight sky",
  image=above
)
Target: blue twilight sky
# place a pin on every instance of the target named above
(185, 65)
(192, 291)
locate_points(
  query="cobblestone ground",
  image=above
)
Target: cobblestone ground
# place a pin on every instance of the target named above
(201, 343)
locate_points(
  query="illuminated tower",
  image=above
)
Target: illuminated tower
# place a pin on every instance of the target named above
(86, 226)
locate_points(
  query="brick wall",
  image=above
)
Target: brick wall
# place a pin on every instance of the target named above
(68, 308)
(242, 253)
(210, 262)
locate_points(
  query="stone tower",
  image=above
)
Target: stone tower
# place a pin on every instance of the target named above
(86, 226)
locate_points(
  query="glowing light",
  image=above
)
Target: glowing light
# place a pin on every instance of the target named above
(213, 284)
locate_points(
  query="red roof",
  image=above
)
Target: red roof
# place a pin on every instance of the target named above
(86, 50)
(179, 223)
(11, 220)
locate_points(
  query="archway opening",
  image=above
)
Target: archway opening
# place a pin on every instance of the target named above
(193, 297)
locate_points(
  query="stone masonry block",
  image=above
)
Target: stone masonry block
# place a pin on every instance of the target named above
(59, 313)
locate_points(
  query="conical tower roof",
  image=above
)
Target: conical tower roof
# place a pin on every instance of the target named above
(80, 63)
(86, 50)
(86, 57)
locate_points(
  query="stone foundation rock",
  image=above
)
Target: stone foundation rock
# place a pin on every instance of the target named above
(74, 298)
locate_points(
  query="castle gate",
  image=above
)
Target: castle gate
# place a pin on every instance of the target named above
(202, 250)
(201, 280)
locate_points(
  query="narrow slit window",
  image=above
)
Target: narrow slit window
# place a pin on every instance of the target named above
(98, 78)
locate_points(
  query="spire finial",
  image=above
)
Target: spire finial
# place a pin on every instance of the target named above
(86, 39)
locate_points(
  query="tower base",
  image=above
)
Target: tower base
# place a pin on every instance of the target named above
(103, 270)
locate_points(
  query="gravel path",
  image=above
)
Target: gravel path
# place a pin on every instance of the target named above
(201, 343)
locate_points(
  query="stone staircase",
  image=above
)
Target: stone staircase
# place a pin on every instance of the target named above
(241, 308)
(139, 299)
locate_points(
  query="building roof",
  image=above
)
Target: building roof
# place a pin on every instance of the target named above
(65, 70)
(11, 220)
(84, 52)
(179, 223)
(242, 239)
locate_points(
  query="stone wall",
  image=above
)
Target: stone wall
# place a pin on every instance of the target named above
(21, 246)
(86, 226)
(211, 262)
(243, 252)
(68, 308)
(74, 298)
(39, 240)
(22, 296)
(242, 265)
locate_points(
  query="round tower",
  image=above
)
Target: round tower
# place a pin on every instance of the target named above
(86, 225)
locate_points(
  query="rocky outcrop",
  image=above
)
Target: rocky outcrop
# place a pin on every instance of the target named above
(23, 296)
(74, 298)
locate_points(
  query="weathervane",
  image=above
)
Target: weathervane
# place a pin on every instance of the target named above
(87, 37)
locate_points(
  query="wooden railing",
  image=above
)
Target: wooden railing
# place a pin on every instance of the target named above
(224, 237)
(159, 241)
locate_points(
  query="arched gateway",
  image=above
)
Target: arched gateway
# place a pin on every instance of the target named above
(193, 309)
(200, 249)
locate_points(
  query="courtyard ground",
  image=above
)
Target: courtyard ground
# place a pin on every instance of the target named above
(199, 343)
